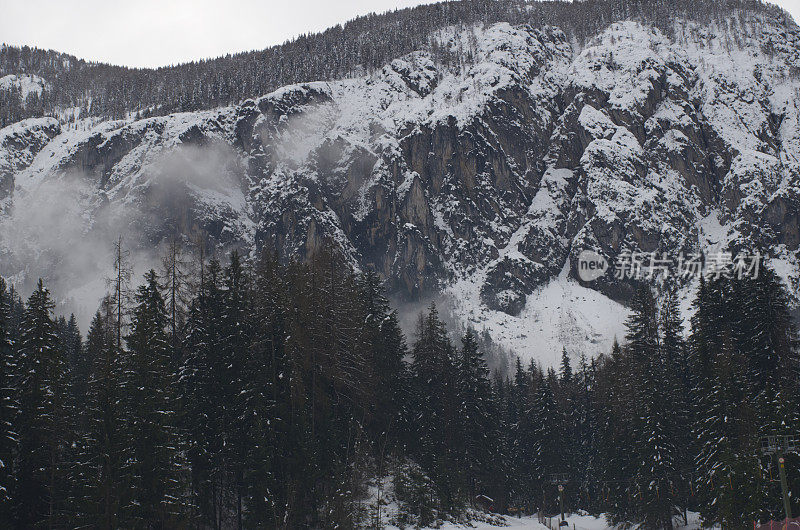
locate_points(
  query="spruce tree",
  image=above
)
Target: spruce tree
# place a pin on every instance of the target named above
(41, 422)
(387, 344)
(268, 401)
(434, 392)
(201, 376)
(727, 480)
(614, 412)
(153, 435)
(549, 438)
(677, 390)
(106, 440)
(234, 375)
(584, 466)
(766, 340)
(475, 414)
(654, 444)
(78, 469)
(522, 445)
(568, 406)
(8, 405)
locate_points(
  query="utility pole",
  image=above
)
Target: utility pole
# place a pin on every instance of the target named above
(780, 445)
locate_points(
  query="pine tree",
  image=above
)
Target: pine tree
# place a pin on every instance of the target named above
(642, 327)
(153, 436)
(614, 412)
(77, 468)
(475, 413)
(386, 341)
(549, 438)
(566, 368)
(235, 349)
(120, 288)
(40, 425)
(106, 440)
(568, 406)
(268, 401)
(655, 449)
(202, 374)
(175, 289)
(434, 391)
(524, 425)
(767, 338)
(502, 489)
(584, 466)
(389, 426)
(8, 406)
(677, 390)
(727, 478)
(766, 341)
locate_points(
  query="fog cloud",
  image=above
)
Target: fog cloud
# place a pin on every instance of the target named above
(64, 228)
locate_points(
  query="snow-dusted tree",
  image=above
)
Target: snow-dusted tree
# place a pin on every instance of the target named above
(200, 374)
(549, 438)
(154, 457)
(8, 405)
(653, 417)
(476, 415)
(104, 459)
(41, 422)
(676, 391)
(234, 376)
(766, 340)
(727, 483)
(435, 397)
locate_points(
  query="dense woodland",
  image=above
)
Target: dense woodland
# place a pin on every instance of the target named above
(360, 46)
(268, 395)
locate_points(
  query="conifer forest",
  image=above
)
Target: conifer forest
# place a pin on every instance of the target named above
(265, 395)
(461, 264)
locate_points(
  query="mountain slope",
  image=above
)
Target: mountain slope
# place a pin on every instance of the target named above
(363, 45)
(482, 179)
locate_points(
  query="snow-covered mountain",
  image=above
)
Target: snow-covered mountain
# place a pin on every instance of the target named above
(482, 181)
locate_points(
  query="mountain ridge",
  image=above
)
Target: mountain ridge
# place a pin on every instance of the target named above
(483, 181)
(363, 45)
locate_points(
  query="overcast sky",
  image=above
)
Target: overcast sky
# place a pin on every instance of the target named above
(161, 32)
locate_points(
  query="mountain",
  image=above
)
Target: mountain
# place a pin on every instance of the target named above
(79, 88)
(476, 166)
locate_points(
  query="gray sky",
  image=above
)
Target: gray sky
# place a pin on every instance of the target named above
(161, 32)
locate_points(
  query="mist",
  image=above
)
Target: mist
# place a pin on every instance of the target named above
(63, 228)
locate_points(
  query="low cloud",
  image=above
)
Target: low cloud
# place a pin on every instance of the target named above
(63, 229)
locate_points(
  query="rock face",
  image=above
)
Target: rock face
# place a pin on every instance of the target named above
(492, 178)
(19, 144)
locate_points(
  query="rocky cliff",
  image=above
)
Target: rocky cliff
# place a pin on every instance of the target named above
(483, 181)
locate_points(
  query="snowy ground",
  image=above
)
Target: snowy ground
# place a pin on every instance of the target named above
(390, 510)
(576, 522)
(560, 314)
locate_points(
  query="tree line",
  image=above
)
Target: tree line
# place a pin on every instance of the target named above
(360, 46)
(275, 395)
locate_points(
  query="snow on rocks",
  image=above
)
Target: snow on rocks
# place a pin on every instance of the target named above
(19, 144)
(485, 177)
(25, 85)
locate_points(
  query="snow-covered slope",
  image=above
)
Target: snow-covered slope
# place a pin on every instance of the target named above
(24, 85)
(484, 180)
